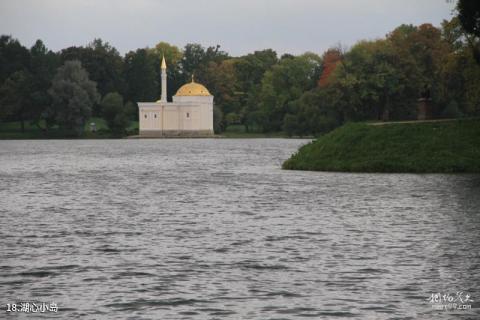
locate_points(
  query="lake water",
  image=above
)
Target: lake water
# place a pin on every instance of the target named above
(214, 229)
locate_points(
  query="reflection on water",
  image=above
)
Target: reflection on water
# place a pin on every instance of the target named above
(213, 229)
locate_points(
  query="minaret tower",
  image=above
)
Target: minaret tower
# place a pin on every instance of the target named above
(163, 97)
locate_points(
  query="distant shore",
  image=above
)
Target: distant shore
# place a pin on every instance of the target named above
(12, 131)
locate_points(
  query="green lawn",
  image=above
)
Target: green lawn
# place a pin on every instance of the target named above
(451, 146)
(12, 130)
(238, 131)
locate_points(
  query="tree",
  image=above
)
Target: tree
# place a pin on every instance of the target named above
(15, 97)
(195, 58)
(73, 96)
(221, 81)
(13, 57)
(421, 52)
(459, 74)
(217, 120)
(141, 76)
(381, 79)
(251, 68)
(103, 64)
(453, 33)
(290, 124)
(232, 118)
(42, 67)
(114, 112)
(24, 93)
(469, 16)
(452, 110)
(312, 114)
(213, 53)
(286, 82)
(331, 59)
(249, 71)
(131, 109)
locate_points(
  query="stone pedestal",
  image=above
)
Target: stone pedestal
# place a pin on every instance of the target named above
(425, 109)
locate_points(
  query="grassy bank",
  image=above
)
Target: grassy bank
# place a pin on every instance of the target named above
(452, 146)
(12, 130)
(238, 131)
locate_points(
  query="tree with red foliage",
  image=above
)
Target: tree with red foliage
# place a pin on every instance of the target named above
(331, 58)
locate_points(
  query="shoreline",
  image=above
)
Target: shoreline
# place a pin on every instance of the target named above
(156, 138)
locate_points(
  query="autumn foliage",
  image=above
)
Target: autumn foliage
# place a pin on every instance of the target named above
(331, 58)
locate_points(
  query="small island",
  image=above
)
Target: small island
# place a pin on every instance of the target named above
(442, 146)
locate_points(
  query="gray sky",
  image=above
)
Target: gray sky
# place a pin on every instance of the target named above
(239, 26)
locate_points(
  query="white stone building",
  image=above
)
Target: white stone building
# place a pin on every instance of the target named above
(189, 115)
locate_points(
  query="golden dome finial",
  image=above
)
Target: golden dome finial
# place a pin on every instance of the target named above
(164, 65)
(193, 77)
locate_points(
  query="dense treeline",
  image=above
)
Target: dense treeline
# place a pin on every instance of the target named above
(306, 94)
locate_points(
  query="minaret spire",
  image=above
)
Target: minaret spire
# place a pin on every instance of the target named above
(163, 97)
(164, 64)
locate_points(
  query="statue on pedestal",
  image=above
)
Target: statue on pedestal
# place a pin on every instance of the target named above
(425, 107)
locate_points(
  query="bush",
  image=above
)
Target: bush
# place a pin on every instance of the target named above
(452, 110)
(114, 112)
(217, 120)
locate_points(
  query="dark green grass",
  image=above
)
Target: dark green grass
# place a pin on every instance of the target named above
(238, 131)
(12, 130)
(430, 147)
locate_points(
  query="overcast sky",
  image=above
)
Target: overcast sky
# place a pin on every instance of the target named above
(239, 26)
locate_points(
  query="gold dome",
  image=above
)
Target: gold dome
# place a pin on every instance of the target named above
(192, 89)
